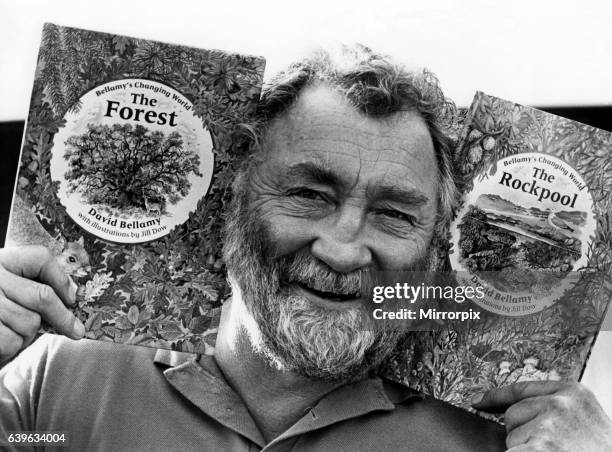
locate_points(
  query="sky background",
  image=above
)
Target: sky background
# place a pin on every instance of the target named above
(539, 53)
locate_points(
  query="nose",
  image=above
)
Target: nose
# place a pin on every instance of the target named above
(341, 243)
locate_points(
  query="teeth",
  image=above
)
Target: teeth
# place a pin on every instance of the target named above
(332, 295)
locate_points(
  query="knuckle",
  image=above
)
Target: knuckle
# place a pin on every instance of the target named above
(38, 254)
(560, 404)
(44, 294)
(545, 427)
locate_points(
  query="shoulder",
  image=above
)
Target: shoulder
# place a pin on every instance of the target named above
(90, 388)
(53, 348)
(56, 374)
(54, 368)
(54, 358)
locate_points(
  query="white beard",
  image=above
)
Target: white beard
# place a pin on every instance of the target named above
(300, 337)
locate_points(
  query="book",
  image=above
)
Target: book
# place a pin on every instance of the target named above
(128, 153)
(533, 231)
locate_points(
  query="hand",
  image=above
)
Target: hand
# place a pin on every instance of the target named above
(549, 415)
(33, 287)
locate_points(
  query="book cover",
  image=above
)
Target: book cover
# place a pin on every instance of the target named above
(128, 152)
(533, 230)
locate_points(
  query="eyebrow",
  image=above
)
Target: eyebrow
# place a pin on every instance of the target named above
(313, 173)
(411, 196)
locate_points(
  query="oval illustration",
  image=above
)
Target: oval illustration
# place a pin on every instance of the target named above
(133, 162)
(523, 233)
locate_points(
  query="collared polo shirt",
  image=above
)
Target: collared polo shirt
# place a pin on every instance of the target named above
(113, 398)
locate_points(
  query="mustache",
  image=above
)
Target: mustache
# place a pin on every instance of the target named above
(303, 268)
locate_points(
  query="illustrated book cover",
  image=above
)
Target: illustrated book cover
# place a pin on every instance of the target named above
(127, 157)
(533, 230)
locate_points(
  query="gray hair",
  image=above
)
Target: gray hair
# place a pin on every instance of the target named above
(377, 86)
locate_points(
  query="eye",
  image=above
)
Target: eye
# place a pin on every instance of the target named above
(397, 215)
(307, 193)
(71, 259)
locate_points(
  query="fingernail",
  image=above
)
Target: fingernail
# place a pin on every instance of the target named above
(476, 398)
(73, 289)
(78, 329)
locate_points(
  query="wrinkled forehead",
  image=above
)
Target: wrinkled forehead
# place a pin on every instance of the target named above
(324, 129)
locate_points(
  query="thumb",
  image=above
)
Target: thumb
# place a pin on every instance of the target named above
(38, 263)
(498, 400)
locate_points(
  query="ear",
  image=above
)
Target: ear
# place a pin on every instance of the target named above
(81, 241)
(62, 241)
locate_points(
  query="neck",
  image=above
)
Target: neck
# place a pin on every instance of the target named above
(276, 399)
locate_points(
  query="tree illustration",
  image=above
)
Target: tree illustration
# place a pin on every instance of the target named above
(123, 166)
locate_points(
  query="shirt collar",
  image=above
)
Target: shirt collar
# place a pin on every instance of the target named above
(202, 383)
(171, 358)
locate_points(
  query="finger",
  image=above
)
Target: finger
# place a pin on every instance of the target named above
(520, 435)
(10, 343)
(499, 399)
(537, 445)
(28, 340)
(41, 298)
(37, 262)
(522, 412)
(19, 319)
(521, 448)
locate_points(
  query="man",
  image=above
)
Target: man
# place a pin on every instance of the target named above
(350, 172)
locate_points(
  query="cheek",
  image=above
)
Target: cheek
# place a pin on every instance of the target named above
(289, 234)
(392, 253)
(286, 234)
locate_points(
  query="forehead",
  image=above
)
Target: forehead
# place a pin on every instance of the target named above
(322, 127)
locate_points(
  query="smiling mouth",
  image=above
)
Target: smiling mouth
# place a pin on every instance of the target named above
(333, 297)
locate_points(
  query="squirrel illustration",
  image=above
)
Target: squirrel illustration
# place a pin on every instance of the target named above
(25, 229)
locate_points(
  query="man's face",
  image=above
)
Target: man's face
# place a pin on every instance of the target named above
(336, 193)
